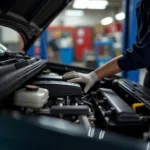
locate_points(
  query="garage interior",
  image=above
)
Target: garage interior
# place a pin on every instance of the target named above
(50, 89)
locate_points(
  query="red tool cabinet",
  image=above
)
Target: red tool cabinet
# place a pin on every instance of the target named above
(82, 41)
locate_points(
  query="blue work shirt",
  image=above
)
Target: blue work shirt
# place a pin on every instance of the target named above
(139, 55)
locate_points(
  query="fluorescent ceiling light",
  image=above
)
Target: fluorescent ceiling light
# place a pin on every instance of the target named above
(120, 16)
(74, 13)
(90, 4)
(81, 4)
(97, 7)
(98, 4)
(107, 21)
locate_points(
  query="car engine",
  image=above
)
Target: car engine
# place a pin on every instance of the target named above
(113, 104)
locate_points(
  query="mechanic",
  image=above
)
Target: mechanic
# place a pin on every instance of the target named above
(135, 58)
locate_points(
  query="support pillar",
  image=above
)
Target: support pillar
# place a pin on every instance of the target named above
(130, 31)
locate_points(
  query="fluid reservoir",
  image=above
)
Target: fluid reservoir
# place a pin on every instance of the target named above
(31, 96)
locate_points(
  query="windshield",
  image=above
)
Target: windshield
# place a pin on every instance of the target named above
(3, 49)
(10, 40)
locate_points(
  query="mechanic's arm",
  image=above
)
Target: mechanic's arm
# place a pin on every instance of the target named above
(108, 69)
(136, 58)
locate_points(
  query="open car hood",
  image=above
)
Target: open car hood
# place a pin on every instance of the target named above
(29, 18)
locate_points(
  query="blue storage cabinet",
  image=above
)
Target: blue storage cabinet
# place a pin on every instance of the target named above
(66, 55)
(103, 60)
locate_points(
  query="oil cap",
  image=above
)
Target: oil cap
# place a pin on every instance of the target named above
(31, 88)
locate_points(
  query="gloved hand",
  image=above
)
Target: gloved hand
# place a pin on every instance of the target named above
(76, 77)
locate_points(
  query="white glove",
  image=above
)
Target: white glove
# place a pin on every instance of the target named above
(76, 77)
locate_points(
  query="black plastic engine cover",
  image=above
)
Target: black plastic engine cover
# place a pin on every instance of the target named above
(60, 88)
(113, 113)
(134, 90)
(123, 112)
(49, 78)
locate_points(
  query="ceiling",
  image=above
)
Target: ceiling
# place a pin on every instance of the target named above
(113, 5)
(91, 16)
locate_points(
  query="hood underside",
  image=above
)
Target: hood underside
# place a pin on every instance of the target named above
(29, 17)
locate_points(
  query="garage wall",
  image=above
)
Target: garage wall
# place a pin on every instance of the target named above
(89, 19)
(9, 38)
(9, 35)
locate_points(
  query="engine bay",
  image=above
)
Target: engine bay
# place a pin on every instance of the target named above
(113, 104)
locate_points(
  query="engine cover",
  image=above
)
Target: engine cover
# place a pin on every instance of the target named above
(60, 88)
(49, 78)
